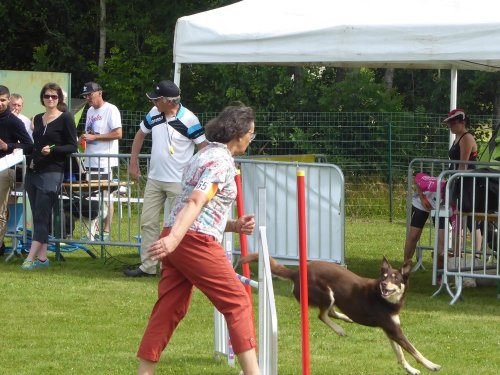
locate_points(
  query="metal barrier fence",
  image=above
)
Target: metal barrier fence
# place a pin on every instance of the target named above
(478, 208)
(470, 208)
(84, 203)
(324, 201)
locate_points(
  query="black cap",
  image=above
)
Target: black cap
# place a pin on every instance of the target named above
(90, 87)
(166, 89)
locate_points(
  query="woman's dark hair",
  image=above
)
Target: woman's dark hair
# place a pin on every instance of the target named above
(467, 121)
(60, 94)
(233, 122)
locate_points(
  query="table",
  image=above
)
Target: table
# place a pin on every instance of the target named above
(95, 184)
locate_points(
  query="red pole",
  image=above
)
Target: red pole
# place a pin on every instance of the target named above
(243, 238)
(304, 297)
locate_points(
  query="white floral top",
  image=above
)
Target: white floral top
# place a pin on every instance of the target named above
(213, 164)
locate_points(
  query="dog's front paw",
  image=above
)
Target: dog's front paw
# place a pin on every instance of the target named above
(434, 367)
(340, 331)
(430, 365)
(410, 370)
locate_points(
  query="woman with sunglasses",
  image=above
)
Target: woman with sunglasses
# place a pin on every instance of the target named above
(54, 137)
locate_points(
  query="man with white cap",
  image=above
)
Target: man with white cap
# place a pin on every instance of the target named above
(175, 131)
(103, 129)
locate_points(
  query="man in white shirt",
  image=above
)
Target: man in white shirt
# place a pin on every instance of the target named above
(175, 131)
(103, 129)
(16, 107)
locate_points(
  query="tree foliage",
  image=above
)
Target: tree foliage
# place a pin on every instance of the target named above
(59, 35)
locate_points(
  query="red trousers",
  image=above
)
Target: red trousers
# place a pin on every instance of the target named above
(198, 261)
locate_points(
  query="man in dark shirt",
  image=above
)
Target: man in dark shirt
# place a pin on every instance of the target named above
(12, 135)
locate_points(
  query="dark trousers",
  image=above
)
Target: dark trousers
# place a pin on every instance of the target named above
(43, 192)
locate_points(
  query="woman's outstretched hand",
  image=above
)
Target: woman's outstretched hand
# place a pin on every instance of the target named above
(163, 247)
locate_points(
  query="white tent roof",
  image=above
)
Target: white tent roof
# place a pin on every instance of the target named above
(446, 34)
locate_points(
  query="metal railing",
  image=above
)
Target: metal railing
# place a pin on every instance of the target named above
(84, 202)
(464, 257)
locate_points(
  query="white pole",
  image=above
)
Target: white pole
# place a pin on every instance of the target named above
(177, 74)
(453, 97)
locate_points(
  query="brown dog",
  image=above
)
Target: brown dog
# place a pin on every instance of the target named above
(370, 302)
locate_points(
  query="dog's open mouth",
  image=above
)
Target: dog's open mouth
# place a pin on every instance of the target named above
(386, 292)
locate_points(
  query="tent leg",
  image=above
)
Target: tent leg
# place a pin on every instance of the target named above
(453, 97)
(177, 74)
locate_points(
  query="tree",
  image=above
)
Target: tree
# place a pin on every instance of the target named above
(102, 34)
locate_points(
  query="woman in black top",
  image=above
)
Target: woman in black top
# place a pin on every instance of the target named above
(464, 147)
(55, 138)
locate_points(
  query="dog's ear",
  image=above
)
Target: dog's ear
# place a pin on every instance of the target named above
(385, 265)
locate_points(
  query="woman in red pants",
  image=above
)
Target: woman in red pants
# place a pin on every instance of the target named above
(189, 247)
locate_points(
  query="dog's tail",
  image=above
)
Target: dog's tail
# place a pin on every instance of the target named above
(276, 268)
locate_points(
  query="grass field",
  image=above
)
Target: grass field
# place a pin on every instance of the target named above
(81, 316)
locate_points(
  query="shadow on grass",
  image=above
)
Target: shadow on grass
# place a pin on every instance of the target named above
(80, 264)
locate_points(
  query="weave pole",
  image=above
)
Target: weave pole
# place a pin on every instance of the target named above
(304, 296)
(243, 238)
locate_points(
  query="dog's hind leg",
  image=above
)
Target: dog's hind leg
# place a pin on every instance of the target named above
(338, 315)
(323, 316)
(398, 340)
(331, 310)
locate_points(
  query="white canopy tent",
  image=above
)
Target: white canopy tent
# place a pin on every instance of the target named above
(430, 34)
(411, 34)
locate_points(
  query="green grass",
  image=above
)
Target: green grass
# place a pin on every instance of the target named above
(82, 316)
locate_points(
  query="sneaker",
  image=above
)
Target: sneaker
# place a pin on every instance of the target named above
(28, 265)
(39, 263)
(104, 237)
(137, 272)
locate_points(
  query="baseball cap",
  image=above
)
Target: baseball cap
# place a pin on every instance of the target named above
(90, 87)
(455, 114)
(166, 89)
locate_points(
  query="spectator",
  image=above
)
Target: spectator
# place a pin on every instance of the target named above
(16, 106)
(54, 136)
(174, 130)
(464, 148)
(423, 201)
(190, 249)
(103, 129)
(12, 135)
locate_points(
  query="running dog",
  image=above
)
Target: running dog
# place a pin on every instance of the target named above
(369, 302)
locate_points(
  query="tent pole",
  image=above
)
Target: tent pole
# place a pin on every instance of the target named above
(177, 74)
(453, 97)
